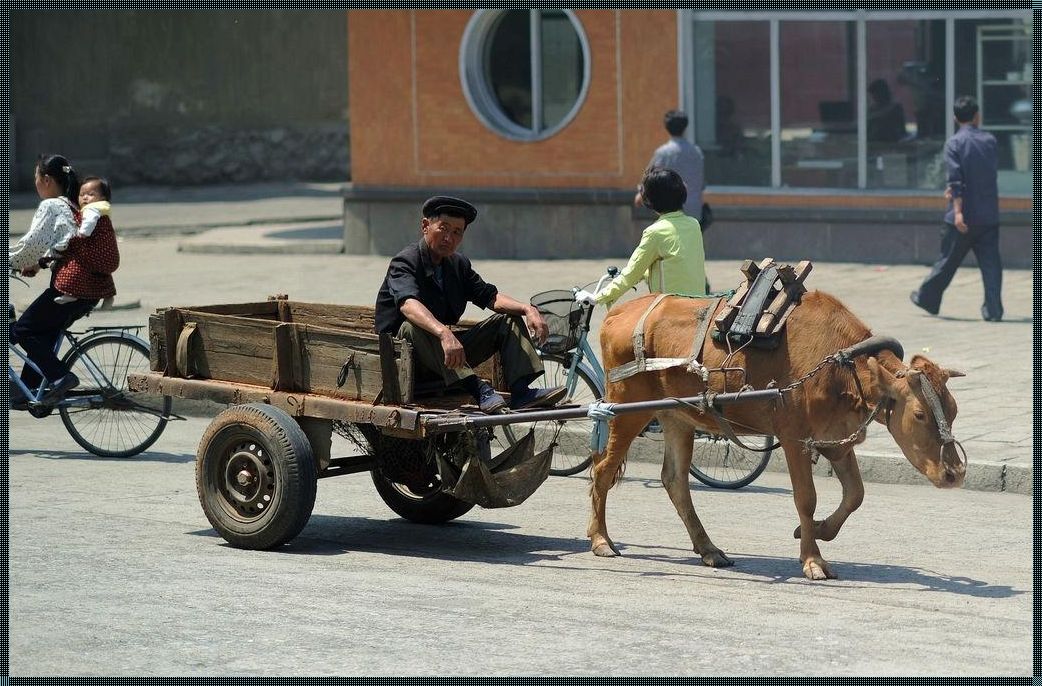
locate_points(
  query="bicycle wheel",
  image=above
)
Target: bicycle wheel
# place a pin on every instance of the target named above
(572, 450)
(719, 463)
(102, 416)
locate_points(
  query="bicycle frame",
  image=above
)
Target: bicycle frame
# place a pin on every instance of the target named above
(99, 377)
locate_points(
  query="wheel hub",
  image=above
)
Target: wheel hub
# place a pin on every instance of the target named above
(249, 480)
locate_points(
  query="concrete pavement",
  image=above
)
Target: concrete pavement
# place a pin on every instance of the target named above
(242, 243)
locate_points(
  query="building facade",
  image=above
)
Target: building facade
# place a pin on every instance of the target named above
(822, 132)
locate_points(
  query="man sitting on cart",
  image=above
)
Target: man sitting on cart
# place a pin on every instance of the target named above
(426, 290)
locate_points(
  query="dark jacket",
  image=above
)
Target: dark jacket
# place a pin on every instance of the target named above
(971, 156)
(411, 275)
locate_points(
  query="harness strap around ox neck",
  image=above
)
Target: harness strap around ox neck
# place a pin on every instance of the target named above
(641, 363)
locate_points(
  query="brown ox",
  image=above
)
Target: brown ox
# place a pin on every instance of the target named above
(826, 407)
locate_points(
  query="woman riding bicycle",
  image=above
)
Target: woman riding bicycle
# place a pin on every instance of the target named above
(670, 256)
(38, 329)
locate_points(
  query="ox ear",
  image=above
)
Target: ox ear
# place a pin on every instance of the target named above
(922, 363)
(881, 376)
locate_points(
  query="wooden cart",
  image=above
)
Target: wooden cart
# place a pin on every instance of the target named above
(293, 373)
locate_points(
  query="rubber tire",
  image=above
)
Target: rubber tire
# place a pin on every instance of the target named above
(433, 508)
(68, 418)
(747, 475)
(293, 474)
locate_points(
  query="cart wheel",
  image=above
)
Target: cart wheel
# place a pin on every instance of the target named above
(426, 505)
(256, 476)
(411, 487)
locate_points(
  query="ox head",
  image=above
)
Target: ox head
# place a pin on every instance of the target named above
(921, 416)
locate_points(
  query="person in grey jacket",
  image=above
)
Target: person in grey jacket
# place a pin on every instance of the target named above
(972, 220)
(683, 157)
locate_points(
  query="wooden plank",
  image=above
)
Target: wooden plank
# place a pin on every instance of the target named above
(391, 392)
(798, 287)
(295, 404)
(156, 342)
(288, 373)
(257, 310)
(172, 324)
(326, 360)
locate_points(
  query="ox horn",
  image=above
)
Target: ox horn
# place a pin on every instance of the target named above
(873, 345)
(953, 373)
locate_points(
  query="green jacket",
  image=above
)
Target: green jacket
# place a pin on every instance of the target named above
(670, 258)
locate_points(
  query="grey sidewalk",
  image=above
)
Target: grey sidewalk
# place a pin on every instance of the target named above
(249, 242)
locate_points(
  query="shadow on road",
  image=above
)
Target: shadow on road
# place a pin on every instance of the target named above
(147, 456)
(499, 544)
(787, 570)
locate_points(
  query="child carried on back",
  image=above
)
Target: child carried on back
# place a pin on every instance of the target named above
(88, 257)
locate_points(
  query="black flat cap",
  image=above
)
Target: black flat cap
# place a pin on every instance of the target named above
(445, 204)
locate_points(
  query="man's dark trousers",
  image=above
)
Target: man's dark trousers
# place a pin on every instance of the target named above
(984, 241)
(503, 333)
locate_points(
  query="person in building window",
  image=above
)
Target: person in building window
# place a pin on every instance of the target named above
(670, 256)
(972, 220)
(425, 291)
(886, 118)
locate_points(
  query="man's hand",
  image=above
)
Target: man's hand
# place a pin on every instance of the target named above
(585, 297)
(455, 357)
(960, 222)
(948, 193)
(536, 325)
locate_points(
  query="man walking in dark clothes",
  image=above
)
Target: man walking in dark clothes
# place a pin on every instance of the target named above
(972, 220)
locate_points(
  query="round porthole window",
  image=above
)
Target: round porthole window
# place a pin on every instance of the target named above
(525, 72)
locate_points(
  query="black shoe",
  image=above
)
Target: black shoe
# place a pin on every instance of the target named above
(56, 391)
(19, 404)
(489, 401)
(541, 397)
(988, 316)
(914, 297)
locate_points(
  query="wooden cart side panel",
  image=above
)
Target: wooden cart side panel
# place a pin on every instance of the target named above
(329, 357)
(295, 404)
(268, 310)
(352, 317)
(229, 348)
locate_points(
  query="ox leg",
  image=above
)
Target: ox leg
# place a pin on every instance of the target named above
(845, 466)
(675, 478)
(605, 473)
(806, 499)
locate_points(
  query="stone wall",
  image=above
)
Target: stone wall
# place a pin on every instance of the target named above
(182, 97)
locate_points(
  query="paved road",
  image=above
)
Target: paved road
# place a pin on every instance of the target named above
(115, 571)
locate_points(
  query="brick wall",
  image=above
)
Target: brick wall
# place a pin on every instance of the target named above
(411, 124)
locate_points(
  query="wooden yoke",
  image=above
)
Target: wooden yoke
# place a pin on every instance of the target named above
(778, 301)
(788, 297)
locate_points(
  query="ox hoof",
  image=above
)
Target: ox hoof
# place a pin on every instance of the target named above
(716, 558)
(605, 550)
(817, 570)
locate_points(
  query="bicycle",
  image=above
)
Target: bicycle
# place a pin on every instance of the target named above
(569, 360)
(100, 414)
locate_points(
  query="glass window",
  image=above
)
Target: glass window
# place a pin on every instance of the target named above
(732, 116)
(993, 64)
(906, 112)
(818, 104)
(525, 72)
